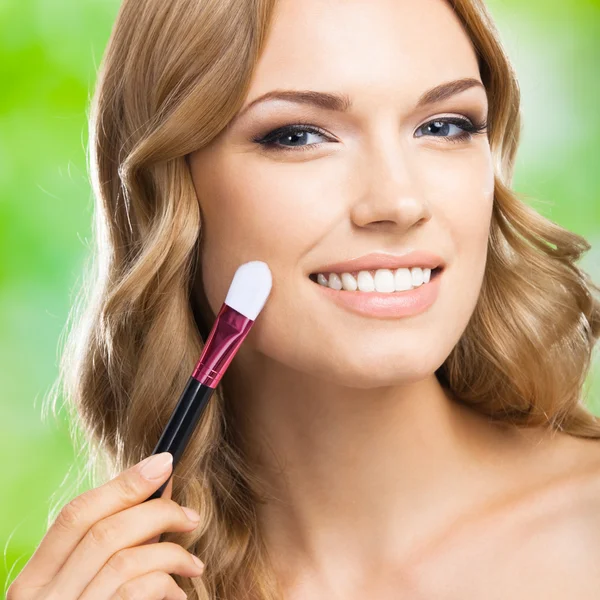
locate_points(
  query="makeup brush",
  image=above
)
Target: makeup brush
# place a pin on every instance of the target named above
(248, 292)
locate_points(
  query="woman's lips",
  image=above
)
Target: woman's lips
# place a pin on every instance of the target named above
(385, 260)
(387, 304)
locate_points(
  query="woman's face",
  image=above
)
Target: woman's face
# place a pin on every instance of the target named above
(378, 177)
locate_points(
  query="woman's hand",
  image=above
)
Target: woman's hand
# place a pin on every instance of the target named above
(104, 543)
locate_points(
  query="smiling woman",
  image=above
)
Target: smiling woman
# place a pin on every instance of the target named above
(407, 417)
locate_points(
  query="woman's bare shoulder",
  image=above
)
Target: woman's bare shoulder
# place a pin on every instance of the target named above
(542, 542)
(573, 500)
(552, 532)
(558, 533)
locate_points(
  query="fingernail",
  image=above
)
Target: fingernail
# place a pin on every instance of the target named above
(191, 514)
(198, 562)
(156, 466)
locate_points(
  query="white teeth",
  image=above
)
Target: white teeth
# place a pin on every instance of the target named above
(348, 282)
(402, 280)
(335, 283)
(385, 280)
(366, 282)
(417, 276)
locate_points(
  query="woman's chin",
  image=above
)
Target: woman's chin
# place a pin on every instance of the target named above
(374, 373)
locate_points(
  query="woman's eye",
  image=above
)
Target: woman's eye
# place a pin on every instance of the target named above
(294, 134)
(299, 135)
(442, 128)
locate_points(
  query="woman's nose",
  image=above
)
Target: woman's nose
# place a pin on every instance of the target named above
(393, 197)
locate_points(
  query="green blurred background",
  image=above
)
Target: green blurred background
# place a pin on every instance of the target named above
(49, 54)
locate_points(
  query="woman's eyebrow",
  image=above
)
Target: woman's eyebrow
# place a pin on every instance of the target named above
(343, 102)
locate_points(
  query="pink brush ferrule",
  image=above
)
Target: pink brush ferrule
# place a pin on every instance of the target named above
(228, 332)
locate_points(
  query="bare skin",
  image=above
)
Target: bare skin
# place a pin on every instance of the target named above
(381, 485)
(104, 544)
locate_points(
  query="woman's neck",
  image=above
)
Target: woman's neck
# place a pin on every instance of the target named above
(364, 476)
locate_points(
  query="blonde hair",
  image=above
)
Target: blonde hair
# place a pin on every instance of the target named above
(173, 75)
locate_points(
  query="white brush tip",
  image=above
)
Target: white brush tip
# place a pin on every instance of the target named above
(250, 288)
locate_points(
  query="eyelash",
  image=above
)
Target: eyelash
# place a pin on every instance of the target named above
(268, 141)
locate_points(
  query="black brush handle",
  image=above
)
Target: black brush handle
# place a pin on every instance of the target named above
(182, 424)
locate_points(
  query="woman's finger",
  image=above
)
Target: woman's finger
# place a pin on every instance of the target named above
(125, 529)
(129, 488)
(167, 493)
(131, 563)
(153, 586)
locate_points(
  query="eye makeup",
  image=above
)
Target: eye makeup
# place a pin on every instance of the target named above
(467, 128)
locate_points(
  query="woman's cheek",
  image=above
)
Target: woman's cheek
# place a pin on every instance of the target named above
(461, 198)
(472, 219)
